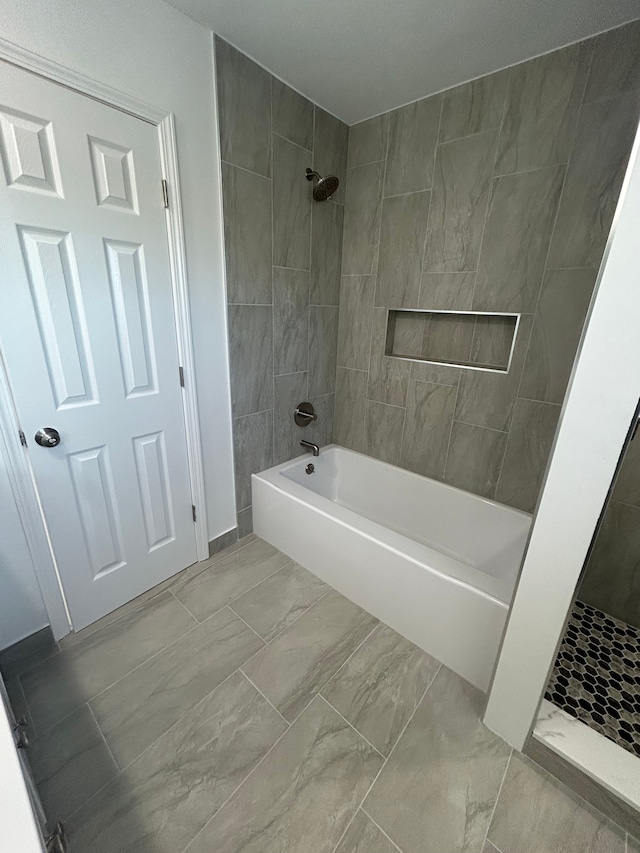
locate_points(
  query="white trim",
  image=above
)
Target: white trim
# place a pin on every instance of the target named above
(23, 484)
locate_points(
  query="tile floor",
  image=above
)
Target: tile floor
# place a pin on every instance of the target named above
(596, 677)
(247, 707)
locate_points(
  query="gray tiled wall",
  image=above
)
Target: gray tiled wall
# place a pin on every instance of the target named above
(283, 256)
(494, 196)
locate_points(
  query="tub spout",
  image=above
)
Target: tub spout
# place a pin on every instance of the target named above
(310, 446)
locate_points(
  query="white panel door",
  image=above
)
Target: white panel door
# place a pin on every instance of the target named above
(88, 336)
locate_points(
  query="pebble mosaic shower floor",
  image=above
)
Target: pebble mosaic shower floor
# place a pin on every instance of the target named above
(596, 677)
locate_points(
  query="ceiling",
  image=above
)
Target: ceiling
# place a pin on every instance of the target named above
(359, 58)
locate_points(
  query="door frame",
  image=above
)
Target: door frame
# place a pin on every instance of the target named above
(18, 463)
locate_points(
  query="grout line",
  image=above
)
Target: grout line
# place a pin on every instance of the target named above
(494, 129)
(218, 558)
(379, 828)
(351, 726)
(266, 698)
(259, 636)
(410, 192)
(290, 141)
(493, 810)
(250, 305)
(102, 734)
(478, 426)
(184, 607)
(243, 169)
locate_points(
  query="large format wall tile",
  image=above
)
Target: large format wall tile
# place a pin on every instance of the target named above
(302, 796)
(252, 451)
(331, 139)
(383, 432)
(160, 803)
(516, 240)
(557, 327)
(388, 377)
(598, 162)
(437, 791)
(351, 408)
(413, 134)
(292, 115)
(290, 320)
(289, 392)
(323, 343)
(612, 578)
(627, 486)
(300, 661)
(247, 235)
(459, 203)
(449, 290)
(327, 222)
(378, 689)
(537, 814)
(362, 209)
(244, 105)
(614, 68)
(368, 141)
(542, 109)
(142, 706)
(528, 447)
(291, 205)
(251, 358)
(402, 234)
(321, 430)
(475, 458)
(355, 320)
(474, 107)
(428, 427)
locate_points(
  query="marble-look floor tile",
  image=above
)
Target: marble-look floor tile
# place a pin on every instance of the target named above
(327, 222)
(299, 662)
(251, 358)
(459, 203)
(252, 451)
(289, 392)
(368, 141)
(165, 797)
(402, 234)
(362, 210)
(292, 114)
(413, 133)
(302, 796)
(363, 836)
(537, 814)
(142, 706)
(528, 447)
(383, 432)
(378, 689)
(330, 143)
(428, 427)
(27, 653)
(516, 240)
(291, 205)
(246, 205)
(598, 163)
(438, 789)
(542, 109)
(244, 107)
(351, 402)
(228, 579)
(290, 320)
(355, 321)
(475, 459)
(474, 107)
(562, 308)
(323, 345)
(58, 686)
(278, 601)
(489, 848)
(70, 764)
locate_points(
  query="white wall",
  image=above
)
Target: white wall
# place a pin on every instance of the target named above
(152, 52)
(595, 419)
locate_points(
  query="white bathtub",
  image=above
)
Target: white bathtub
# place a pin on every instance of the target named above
(435, 563)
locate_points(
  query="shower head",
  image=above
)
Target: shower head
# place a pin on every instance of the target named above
(323, 188)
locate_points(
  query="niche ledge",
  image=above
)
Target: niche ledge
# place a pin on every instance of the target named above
(473, 340)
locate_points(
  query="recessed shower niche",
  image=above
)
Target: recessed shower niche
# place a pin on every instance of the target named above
(469, 339)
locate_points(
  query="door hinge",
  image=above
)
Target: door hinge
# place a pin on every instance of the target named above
(165, 193)
(23, 438)
(181, 369)
(193, 511)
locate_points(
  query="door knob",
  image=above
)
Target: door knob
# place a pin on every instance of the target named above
(47, 437)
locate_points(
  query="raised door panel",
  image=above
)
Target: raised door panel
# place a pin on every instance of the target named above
(28, 153)
(153, 480)
(114, 176)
